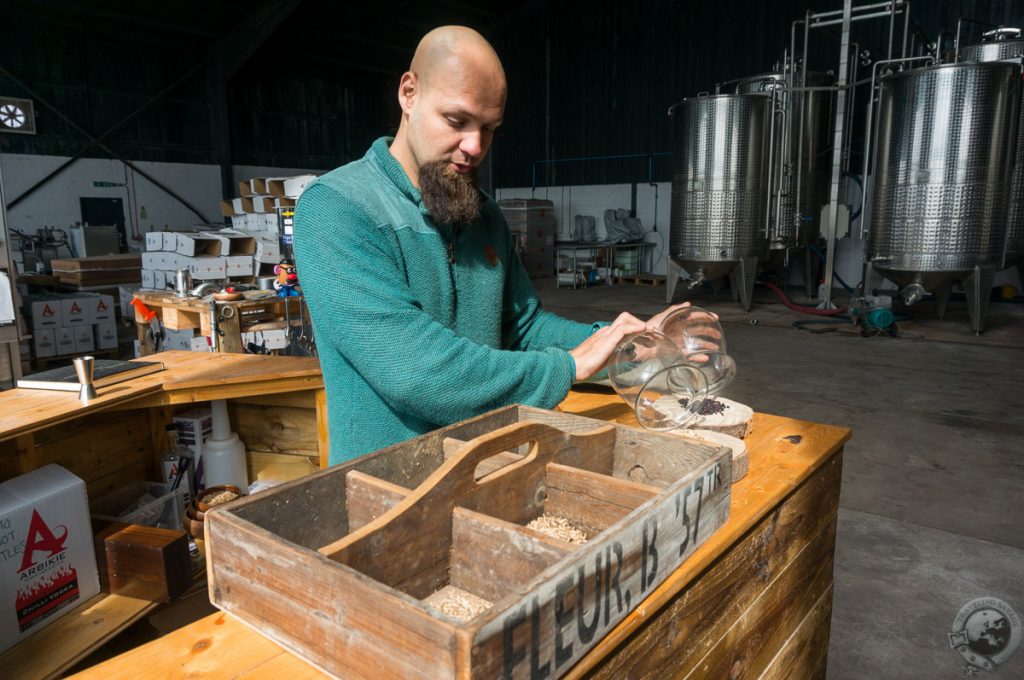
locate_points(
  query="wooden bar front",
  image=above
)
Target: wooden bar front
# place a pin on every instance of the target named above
(754, 601)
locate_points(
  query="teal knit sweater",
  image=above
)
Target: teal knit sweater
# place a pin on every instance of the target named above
(417, 324)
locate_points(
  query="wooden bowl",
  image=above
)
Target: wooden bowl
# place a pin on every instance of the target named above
(202, 505)
(227, 297)
(194, 527)
(192, 512)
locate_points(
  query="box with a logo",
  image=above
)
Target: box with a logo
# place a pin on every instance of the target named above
(194, 427)
(44, 310)
(47, 561)
(76, 311)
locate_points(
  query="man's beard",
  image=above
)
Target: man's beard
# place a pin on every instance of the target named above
(451, 197)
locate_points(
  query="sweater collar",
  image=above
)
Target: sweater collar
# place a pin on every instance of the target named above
(380, 154)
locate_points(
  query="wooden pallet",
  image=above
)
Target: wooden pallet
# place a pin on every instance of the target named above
(641, 279)
(349, 577)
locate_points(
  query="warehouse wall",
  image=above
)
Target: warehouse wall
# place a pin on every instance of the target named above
(146, 205)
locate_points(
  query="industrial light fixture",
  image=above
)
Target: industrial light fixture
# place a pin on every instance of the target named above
(17, 115)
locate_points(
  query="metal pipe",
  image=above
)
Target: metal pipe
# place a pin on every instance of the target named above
(862, 17)
(800, 131)
(771, 170)
(892, 28)
(869, 134)
(906, 27)
(861, 8)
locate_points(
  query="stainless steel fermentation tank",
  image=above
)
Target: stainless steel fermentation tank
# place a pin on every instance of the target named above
(720, 188)
(999, 47)
(943, 157)
(792, 226)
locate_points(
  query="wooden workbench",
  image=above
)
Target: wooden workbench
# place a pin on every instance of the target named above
(276, 405)
(754, 601)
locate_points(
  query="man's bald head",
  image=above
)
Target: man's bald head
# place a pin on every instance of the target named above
(453, 100)
(457, 51)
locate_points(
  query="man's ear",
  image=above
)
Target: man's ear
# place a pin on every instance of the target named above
(408, 88)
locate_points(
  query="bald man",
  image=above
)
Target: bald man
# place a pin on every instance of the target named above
(422, 312)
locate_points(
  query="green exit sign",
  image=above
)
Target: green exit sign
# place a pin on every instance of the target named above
(107, 184)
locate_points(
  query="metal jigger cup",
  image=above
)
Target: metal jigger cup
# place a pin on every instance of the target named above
(83, 369)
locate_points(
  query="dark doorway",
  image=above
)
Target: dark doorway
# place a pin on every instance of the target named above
(106, 211)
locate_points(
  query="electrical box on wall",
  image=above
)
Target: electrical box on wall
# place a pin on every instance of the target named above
(17, 115)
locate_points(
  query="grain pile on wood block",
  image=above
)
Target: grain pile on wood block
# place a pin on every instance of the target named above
(457, 603)
(558, 528)
(740, 459)
(723, 415)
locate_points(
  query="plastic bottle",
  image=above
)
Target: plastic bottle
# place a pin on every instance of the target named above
(224, 452)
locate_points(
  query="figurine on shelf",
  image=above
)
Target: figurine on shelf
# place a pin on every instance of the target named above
(287, 282)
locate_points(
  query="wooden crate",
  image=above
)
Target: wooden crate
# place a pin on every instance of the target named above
(338, 566)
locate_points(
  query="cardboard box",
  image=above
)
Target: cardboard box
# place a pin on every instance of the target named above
(43, 343)
(275, 338)
(238, 265)
(64, 339)
(105, 335)
(152, 260)
(84, 340)
(196, 244)
(251, 187)
(282, 202)
(102, 307)
(233, 242)
(124, 298)
(268, 250)
(205, 268)
(154, 241)
(258, 204)
(194, 427)
(169, 279)
(239, 222)
(181, 340)
(76, 310)
(291, 187)
(46, 515)
(200, 343)
(227, 208)
(237, 206)
(45, 311)
(149, 279)
(265, 222)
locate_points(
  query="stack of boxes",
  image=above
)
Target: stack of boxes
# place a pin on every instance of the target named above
(222, 255)
(256, 211)
(71, 324)
(532, 223)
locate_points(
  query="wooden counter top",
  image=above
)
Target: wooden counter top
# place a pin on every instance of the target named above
(189, 376)
(785, 455)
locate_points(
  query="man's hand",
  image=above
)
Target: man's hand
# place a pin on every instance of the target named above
(592, 354)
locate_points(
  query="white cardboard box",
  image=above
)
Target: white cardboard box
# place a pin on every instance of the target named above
(194, 427)
(125, 293)
(258, 204)
(105, 335)
(64, 339)
(102, 308)
(49, 563)
(205, 268)
(84, 340)
(170, 241)
(238, 265)
(195, 244)
(43, 343)
(291, 187)
(169, 280)
(154, 241)
(200, 343)
(268, 249)
(234, 242)
(44, 312)
(152, 260)
(76, 310)
(149, 279)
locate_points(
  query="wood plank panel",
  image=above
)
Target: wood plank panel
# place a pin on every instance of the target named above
(281, 467)
(590, 500)
(805, 654)
(277, 429)
(680, 634)
(73, 637)
(492, 558)
(367, 498)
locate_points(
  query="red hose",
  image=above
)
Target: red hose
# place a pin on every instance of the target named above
(800, 308)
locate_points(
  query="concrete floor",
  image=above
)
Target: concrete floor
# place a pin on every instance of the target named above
(933, 479)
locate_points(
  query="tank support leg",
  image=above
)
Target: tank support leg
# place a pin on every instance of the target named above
(671, 279)
(810, 284)
(872, 279)
(742, 280)
(942, 299)
(978, 287)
